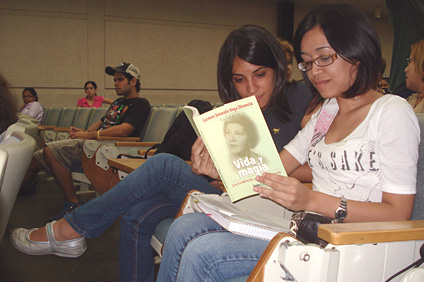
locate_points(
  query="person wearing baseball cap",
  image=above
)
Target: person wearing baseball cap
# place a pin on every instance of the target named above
(126, 116)
(124, 68)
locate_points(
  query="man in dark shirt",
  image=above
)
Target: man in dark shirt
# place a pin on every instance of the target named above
(125, 117)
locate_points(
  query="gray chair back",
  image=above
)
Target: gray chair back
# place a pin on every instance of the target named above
(160, 121)
(82, 117)
(45, 115)
(67, 117)
(53, 116)
(96, 115)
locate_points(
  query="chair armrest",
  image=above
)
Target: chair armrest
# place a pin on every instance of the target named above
(269, 256)
(46, 127)
(186, 204)
(61, 129)
(134, 144)
(371, 232)
(109, 138)
(142, 152)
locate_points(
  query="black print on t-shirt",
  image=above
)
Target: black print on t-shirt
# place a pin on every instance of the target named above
(353, 161)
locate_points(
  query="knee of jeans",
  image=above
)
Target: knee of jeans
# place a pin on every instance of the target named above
(161, 158)
(199, 251)
(189, 226)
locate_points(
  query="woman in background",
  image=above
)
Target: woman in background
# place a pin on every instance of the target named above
(31, 105)
(289, 53)
(92, 100)
(414, 73)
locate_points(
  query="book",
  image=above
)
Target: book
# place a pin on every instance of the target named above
(239, 143)
(240, 220)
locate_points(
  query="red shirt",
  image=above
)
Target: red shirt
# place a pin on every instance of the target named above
(98, 101)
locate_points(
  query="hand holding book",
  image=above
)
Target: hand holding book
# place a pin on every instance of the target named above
(201, 161)
(239, 143)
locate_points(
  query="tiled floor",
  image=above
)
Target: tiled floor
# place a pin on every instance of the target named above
(98, 263)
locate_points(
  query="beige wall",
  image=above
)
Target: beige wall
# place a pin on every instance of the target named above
(57, 45)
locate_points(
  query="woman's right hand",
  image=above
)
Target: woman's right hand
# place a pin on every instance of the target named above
(73, 129)
(201, 161)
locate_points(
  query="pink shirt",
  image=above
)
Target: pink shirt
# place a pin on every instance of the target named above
(98, 101)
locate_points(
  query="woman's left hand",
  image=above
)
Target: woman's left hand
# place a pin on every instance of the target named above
(286, 191)
(201, 161)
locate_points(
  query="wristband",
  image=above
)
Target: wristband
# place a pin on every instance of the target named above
(98, 134)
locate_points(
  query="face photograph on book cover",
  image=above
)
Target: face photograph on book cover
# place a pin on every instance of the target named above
(241, 136)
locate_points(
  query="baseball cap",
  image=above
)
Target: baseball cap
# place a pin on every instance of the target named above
(124, 68)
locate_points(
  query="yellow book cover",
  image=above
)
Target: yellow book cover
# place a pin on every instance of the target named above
(240, 144)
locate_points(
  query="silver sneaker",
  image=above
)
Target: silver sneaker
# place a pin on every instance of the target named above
(70, 248)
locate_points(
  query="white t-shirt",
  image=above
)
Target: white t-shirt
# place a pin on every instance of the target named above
(380, 155)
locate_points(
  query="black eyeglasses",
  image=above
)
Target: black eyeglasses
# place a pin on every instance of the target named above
(321, 61)
(409, 60)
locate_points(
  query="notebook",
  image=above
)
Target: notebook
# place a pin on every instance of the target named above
(241, 221)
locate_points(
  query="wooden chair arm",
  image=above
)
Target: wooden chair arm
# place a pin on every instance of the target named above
(61, 129)
(142, 152)
(109, 138)
(186, 202)
(134, 144)
(371, 232)
(46, 127)
(270, 254)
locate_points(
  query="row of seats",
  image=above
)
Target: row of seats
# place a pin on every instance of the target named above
(58, 120)
(78, 117)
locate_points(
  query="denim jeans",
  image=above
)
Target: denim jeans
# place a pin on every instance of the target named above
(198, 249)
(146, 196)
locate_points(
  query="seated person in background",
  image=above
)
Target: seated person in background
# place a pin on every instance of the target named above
(383, 86)
(7, 107)
(289, 53)
(414, 73)
(362, 147)
(125, 117)
(31, 106)
(251, 63)
(92, 100)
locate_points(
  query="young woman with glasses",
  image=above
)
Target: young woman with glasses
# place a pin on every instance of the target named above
(362, 147)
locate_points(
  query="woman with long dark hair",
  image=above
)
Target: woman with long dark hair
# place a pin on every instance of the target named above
(91, 100)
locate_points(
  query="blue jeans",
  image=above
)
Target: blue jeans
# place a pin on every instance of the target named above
(198, 249)
(145, 197)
